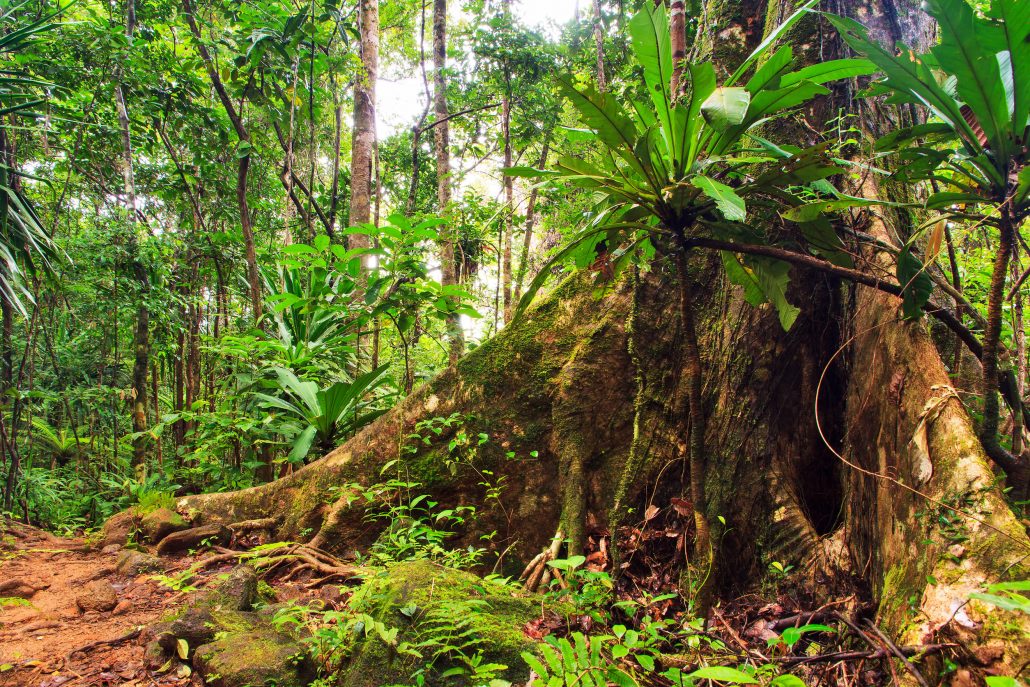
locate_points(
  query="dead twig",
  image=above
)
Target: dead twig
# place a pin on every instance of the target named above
(921, 650)
(894, 649)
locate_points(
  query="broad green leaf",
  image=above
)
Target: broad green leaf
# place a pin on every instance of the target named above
(1014, 16)
(916, 285)
(771, 71)
(649, 33)
(726, 199)
(302, 445)
(948, 198)
(787, 681)
(962, 53)
(726, 107)
(742, 276)
(724, 674)
(1001, 681)
(831, 70)
(773, 277)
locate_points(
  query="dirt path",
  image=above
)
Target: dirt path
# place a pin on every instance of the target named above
(57, 597)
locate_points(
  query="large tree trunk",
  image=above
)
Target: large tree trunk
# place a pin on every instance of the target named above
(837, 447)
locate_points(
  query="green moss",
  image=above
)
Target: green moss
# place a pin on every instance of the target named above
(432, 597)
(258, 658)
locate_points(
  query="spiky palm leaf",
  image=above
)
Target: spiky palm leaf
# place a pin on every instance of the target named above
(25, 244)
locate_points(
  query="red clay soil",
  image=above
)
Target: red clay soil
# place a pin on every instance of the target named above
(47, 640)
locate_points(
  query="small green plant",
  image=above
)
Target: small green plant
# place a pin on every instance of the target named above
(577, 661)
(1008, 596)
(178, 583)
(13, 601)
(779, 571)
(792, 635)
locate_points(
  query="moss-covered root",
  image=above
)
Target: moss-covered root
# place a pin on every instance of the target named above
(537, 573)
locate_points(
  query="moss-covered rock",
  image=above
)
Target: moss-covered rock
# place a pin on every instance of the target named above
(427, 602)
(159, 523)
(132, 563)
(260, 657)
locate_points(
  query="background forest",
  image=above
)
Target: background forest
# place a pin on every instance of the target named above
(157, 343)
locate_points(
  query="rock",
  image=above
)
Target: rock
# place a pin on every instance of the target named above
(134, 563)
(111, 549)
(493, 614)
(238, 592)
(200, 625)
(223, 609)
(159, 523)
(193, 538)
(120, 527)
(123, 607)
(262, 656)
(98, 596)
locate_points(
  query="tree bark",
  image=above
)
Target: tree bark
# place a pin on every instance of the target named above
(442, 138)
(363, 138)
(836, 447)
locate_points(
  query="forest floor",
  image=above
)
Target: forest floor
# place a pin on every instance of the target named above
(70, 618)
(53, 629)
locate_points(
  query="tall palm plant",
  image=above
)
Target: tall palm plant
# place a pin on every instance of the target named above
(24, 243)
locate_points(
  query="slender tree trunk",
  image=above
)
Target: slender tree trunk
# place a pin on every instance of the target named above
(179, 429)
(602, 84)
(141, 337)
(678, 33)
(509, 187)
(155, 382)
(243, 168)
(334, 194)
(363, 137)
(442, 137)
(527, 238)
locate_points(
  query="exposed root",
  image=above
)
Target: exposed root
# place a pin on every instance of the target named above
(86, 648)
(19, 588)
(538, 574)
(837, 656)
(297, 557)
